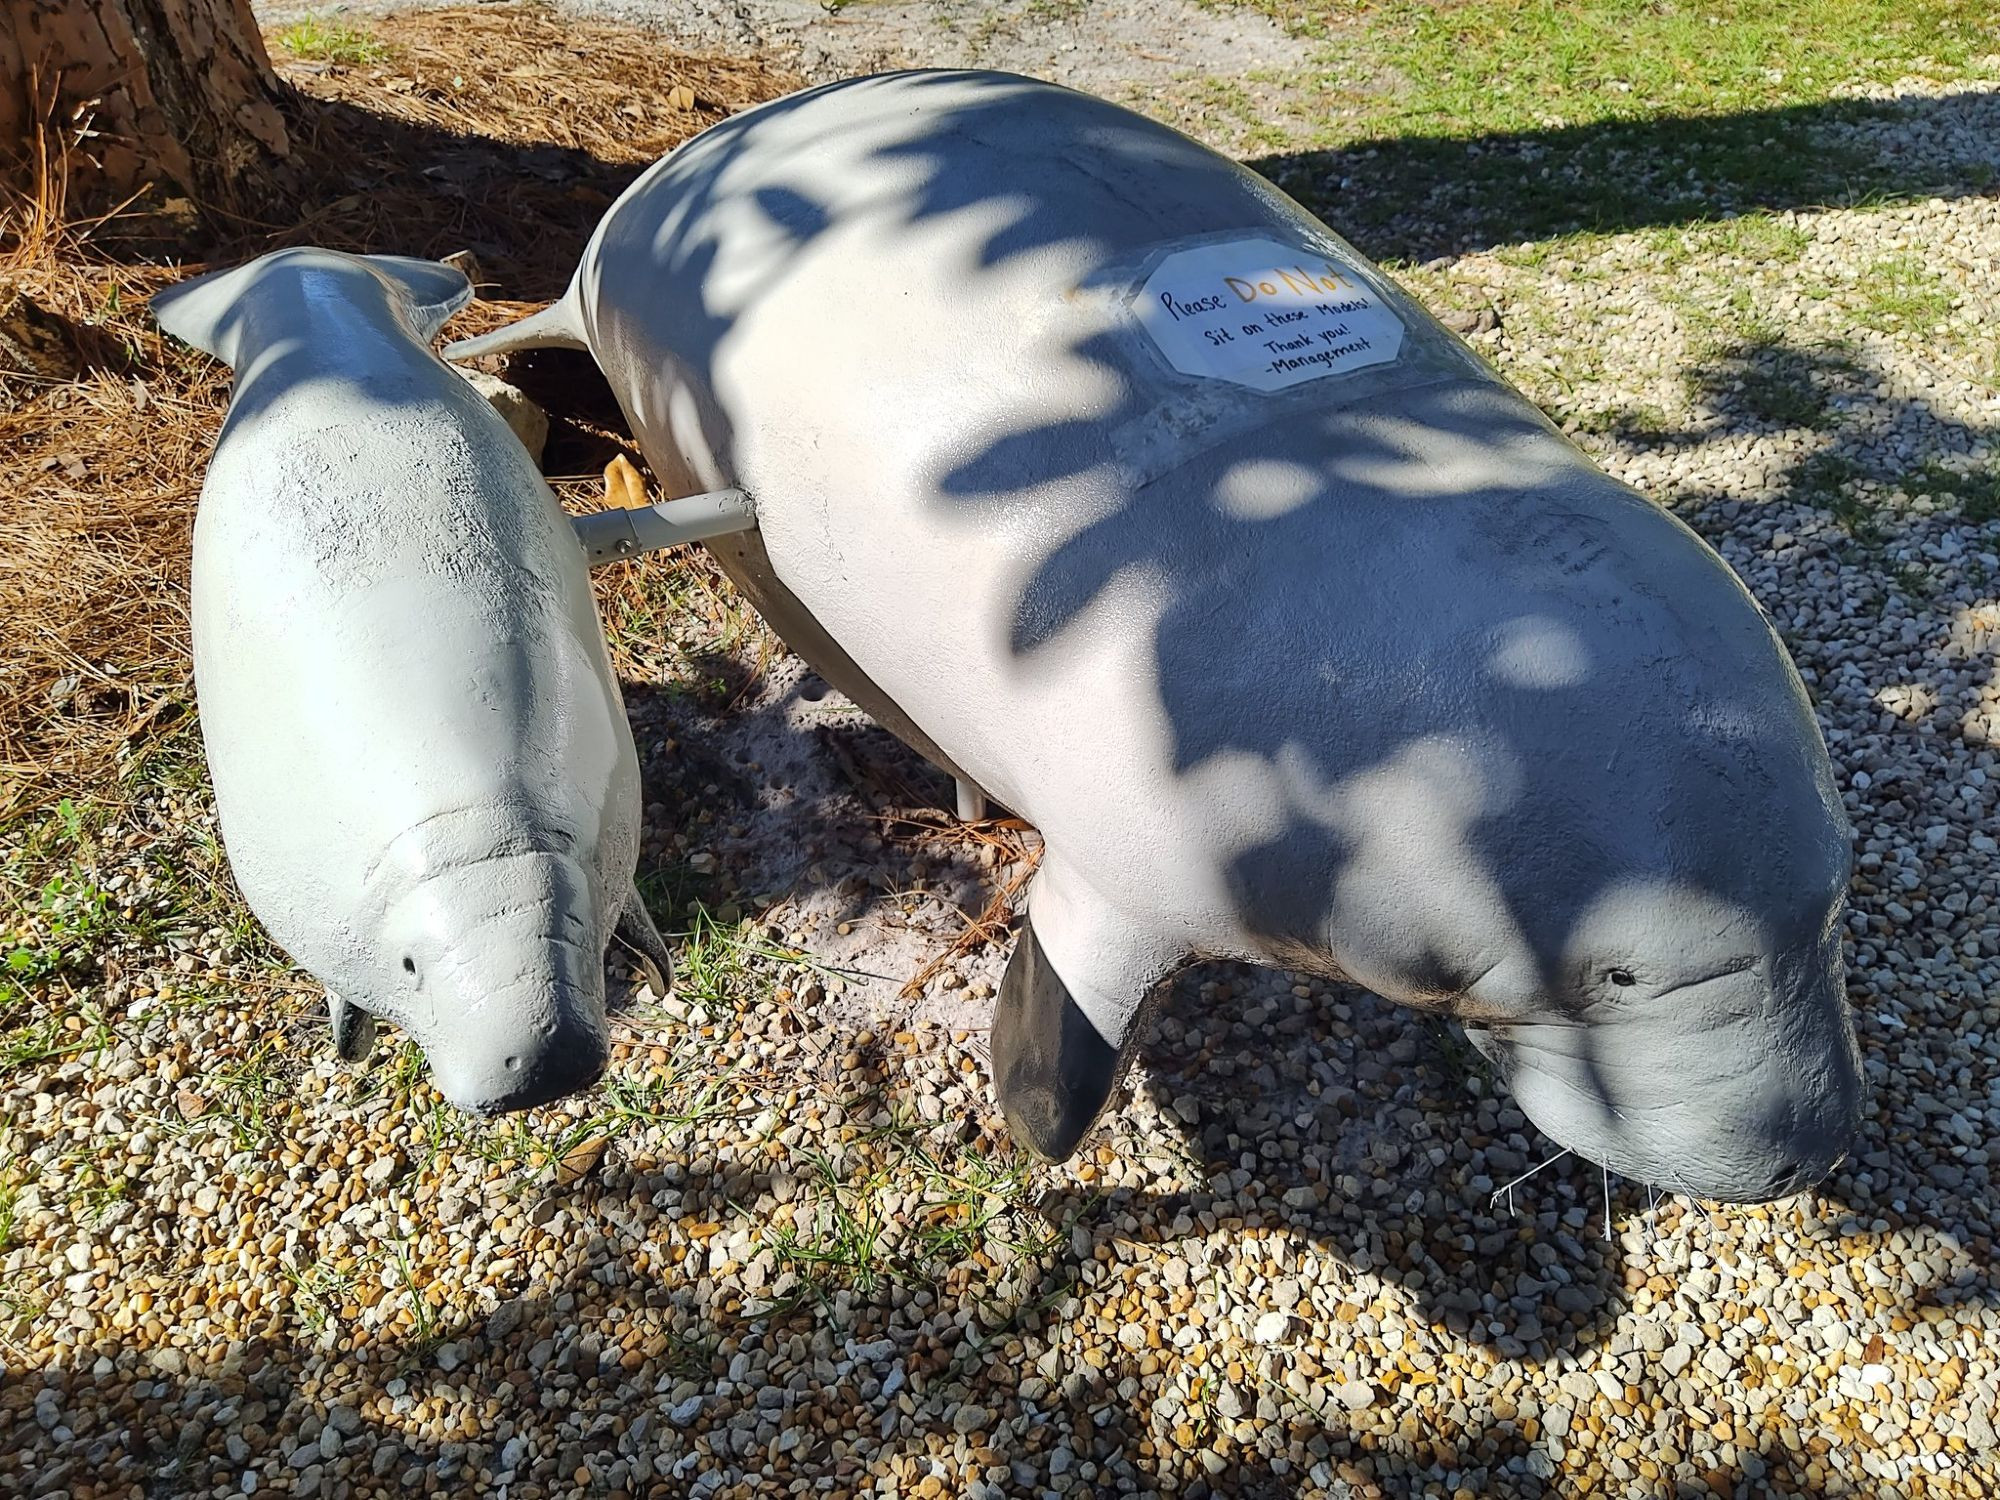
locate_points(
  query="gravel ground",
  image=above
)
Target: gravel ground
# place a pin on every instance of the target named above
(786, 1249)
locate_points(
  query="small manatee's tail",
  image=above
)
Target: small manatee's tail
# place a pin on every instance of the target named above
(196, 311)
(208, 311)
(557, 326)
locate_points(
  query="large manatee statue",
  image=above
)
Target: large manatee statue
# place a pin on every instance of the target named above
(1123, 489)
(426, 782)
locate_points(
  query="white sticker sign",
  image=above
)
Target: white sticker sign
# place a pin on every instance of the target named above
(1264, 314)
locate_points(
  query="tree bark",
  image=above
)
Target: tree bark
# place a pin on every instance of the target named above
(122, 93)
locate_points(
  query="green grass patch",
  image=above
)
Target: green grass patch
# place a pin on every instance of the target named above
(694, 1090)
(670, 625)
(318, 39)
(88, 1184)
(1827, 480)
(966, 1199)
(1761, 238)
(1527, 119)
(72, 916)
(1764, 238)
(173, 760)
(20, 1306)
(1902, 295)
(716, 964)
(1229, 98)
(841, 1242)
(956, 1201)
(1774, 384)
(426, 1334)
(1915, 581)
(1516, 65)
(15, 1174)
(1782, 393)
(1976, 494)
(46, 1035)
(319, 1291)
(255, 1094)
(1647, 425)
(63, 915)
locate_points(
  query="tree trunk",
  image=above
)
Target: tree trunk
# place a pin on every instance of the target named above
(136, 92)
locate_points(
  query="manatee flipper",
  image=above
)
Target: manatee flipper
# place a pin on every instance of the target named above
(1071, 1011)
(353, 1029)
(557, 326)
(637, 932)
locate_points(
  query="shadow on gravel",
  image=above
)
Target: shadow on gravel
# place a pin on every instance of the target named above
(1357, 1120)
(1414, 197)
(1857, 453)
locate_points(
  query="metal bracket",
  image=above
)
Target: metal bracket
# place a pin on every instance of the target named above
(615, 535)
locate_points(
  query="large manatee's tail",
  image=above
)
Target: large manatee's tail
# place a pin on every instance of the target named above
(557, 326)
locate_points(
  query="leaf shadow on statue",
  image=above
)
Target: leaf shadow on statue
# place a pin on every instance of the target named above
(1401, 1080)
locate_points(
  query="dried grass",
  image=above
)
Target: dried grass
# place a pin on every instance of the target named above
(504, 130)
(524, 127)
(101, 476)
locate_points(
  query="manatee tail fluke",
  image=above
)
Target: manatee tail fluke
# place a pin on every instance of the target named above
(557, 326)
(433, 291)
(194, 311)
(208, 311)
(637, 932)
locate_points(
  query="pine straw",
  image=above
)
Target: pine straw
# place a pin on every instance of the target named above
(444, 118)
(101, 476)
(502, 130)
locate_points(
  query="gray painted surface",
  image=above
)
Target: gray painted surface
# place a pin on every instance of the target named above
(618, 535)
(1365, 670)
(427, 786)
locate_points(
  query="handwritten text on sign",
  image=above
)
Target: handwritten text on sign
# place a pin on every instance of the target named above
(1265, 315)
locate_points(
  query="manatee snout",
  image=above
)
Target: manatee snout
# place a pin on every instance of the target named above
(1758, 1107)
(512, 1070)
(526, 1041)
(1812, 1110)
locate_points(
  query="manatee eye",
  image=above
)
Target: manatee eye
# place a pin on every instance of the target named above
(1623, 977)
(409, 964)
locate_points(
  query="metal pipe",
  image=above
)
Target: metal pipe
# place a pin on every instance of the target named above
(615, 535)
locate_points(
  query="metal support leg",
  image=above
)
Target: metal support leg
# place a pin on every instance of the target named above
(971, 803)
(615, 535)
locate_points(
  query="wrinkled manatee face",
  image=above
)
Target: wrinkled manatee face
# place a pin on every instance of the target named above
(1652, 966)
(1546, 767)
(1682, 1043)
(496, 970)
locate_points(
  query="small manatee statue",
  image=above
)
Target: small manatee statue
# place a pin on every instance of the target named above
(1130, 494)
(426, 782)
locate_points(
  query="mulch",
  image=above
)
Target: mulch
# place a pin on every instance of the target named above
(503, 131)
